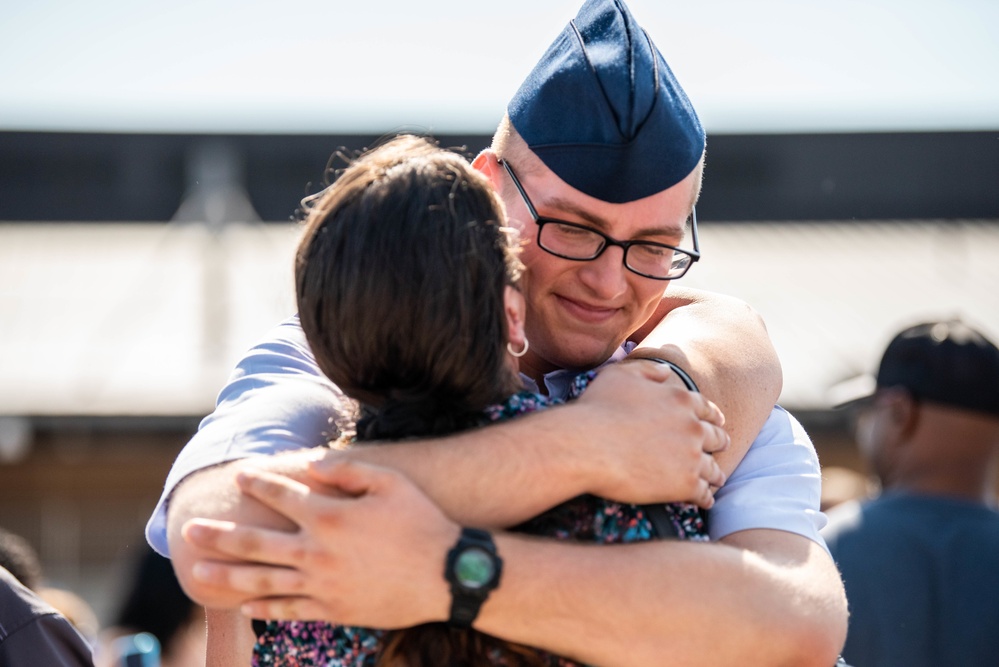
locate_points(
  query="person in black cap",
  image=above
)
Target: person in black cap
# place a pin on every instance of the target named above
(919, 561)
(599, 163)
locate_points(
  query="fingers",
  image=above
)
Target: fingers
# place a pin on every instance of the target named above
(705, 410)
(713, 438)
(244, 543)
(329, 469)
(711, 472)
(351, 477)
(708, 411)
(282, 494)
(652, 369)
(706, 497)
(710, 478)
(254, 580)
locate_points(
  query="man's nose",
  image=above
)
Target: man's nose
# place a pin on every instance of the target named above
(606, 275)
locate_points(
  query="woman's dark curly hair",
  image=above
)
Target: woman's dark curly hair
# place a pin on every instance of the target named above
(400, 279)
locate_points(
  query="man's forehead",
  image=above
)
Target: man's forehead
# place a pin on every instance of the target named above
(661, 213)
(657, 222)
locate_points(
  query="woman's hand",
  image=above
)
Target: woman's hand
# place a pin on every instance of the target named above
(652, 439)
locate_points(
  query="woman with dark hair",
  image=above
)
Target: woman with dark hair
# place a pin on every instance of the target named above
(407, 293)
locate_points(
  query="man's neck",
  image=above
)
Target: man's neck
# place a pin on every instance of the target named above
(536, 369)
(978, 488)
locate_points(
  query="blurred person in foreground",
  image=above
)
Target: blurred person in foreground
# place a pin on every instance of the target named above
(21, 560)
(600, 144)
(33, 633)
(919, 561)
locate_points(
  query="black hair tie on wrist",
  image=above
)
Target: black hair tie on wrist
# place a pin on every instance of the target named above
(682, 374)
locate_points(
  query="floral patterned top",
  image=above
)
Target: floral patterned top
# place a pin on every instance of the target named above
(585, 518)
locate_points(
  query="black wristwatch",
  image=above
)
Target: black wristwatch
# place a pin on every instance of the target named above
(473, 569)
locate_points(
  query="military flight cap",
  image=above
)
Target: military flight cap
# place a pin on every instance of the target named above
(603, 110)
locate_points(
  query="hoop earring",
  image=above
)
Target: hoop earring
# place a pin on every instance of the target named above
(509, 348)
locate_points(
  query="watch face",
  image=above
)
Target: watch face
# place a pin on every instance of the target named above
(474, 568)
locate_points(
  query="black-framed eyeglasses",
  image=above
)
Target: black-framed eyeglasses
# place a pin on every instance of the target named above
(580, 243)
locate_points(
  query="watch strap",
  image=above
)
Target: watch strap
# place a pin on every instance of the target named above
(464, 610)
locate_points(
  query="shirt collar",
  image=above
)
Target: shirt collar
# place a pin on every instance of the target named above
(558, 382)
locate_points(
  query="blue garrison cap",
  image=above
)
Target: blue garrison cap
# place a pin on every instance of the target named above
(604, 112)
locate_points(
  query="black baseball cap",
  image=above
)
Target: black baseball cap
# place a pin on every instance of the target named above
(946, 362)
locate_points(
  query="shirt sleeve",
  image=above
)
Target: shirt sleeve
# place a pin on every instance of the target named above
(778, 485)
(276, 400)
(33, 633)
(48, 640)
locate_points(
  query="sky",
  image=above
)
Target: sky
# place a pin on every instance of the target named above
(304, 66)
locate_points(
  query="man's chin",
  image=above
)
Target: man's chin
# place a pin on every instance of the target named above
(574, 347)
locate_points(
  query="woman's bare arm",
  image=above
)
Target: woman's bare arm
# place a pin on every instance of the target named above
(634, 436)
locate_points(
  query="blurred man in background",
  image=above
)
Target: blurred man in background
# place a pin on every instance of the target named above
(919, 561)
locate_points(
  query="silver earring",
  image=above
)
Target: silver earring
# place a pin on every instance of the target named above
(509, 348)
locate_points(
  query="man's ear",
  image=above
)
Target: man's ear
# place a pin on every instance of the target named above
(515, 307)
(487, 163)
(903, 412)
